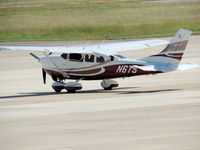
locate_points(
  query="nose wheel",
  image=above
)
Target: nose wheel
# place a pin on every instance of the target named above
(57, 86)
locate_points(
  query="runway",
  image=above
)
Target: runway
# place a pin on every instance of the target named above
(144, 113)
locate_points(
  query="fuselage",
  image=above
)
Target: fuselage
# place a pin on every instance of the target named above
(92, 67)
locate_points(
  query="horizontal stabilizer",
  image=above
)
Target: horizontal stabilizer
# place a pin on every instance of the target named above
(188, 66)
(146, 68)
(163, 68)
(166, 68)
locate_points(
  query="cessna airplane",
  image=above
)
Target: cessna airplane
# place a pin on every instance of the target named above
(104, 63)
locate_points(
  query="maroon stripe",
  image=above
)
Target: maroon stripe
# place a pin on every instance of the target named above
(110, 72)
(175, 46)
(164, 55)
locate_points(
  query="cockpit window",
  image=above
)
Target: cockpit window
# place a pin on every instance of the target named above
(100, 59)
(64, 55)
(120, 56)
(89, 58)
(112, 58)
(75, 57)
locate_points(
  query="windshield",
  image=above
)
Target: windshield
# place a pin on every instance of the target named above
(64, 55)
(75, 57)
(120, 56)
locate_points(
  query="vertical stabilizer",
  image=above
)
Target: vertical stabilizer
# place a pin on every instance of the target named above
(173, 53)
(177, 45)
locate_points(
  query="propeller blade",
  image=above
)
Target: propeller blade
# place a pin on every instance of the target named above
(36, 57)
(44, 75)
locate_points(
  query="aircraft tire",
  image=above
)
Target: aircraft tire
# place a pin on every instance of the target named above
(71, 91)
(58, 90)
(108, 88)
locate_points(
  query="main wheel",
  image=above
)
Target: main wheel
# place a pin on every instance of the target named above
(58, 90)
(109, 84)
(108, 88)
(71, 91)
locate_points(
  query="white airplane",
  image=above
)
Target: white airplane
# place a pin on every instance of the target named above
(104, 63)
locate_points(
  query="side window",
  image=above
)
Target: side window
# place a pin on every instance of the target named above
(89, 58)
(64, 55)
(100, 59)
(75, 57)
(112, 58)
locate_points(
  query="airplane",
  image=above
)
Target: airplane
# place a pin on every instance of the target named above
(103, 62)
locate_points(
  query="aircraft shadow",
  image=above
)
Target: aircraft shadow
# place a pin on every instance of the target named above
(115, 91)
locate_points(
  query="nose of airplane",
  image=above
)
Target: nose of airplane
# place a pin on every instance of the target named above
(49, 63)
(44, 62)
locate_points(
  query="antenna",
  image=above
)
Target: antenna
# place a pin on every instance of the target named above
(106, 38)
(88, 43)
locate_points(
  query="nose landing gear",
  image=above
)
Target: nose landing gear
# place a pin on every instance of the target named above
(58, 86)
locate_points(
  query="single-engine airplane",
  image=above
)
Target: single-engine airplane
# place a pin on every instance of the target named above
(104, 63)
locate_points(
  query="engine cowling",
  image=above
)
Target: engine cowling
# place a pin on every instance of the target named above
(109, 84)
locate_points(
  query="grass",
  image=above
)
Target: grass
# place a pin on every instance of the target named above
(25, 20)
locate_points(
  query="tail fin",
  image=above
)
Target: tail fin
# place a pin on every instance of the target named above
(173, 53)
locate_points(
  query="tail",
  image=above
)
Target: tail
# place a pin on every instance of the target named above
(170, 57)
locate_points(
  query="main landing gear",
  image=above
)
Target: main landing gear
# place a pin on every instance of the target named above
(72, 87)
(109, 84)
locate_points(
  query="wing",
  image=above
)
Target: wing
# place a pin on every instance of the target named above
(106, 49)
(113, 48)
(131, 45)
(57, 49)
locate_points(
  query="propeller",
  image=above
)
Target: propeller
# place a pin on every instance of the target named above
(44, 75)
(36, 57)
(43, 71)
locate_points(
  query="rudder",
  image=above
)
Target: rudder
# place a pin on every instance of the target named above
(173, 53)
(175, 49)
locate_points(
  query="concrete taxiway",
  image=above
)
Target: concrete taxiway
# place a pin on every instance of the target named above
(145, 113)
